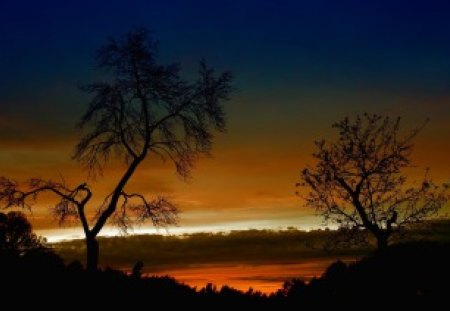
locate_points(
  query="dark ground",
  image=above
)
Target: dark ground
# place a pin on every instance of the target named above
(413, 274)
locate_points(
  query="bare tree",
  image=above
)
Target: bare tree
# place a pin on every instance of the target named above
(359, 181)
(142, 108)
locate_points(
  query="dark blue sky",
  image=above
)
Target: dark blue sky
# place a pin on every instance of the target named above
(386, 44)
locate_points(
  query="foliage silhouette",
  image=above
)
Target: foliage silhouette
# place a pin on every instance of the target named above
(141, 109)
(359, 182)
(16, 235)
(406, 275)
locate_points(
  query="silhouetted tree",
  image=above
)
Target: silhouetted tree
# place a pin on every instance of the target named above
(359, 181)
(16, 234)
(142, 108)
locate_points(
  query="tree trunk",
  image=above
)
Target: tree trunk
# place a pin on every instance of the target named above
(91, 254)
(382, 241)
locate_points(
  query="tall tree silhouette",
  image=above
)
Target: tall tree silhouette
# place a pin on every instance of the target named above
(359, 181)
(141, 108)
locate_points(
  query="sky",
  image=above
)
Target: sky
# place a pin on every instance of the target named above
(299, 66)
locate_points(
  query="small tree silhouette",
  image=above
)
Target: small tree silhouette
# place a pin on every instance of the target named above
(141, 109)
(358, 181)
(16, 234)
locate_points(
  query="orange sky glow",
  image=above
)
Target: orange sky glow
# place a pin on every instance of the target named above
(248, 182)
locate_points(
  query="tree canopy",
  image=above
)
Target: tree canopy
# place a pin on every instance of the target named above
(16, 234)
(359, 181)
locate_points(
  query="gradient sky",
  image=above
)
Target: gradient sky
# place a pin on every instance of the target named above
(299, 66)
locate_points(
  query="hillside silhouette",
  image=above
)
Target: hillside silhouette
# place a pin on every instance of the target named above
(407, 274)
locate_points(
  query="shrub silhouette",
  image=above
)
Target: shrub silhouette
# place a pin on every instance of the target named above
(16, 234)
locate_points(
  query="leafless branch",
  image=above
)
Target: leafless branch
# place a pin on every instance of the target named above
(358, 182)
